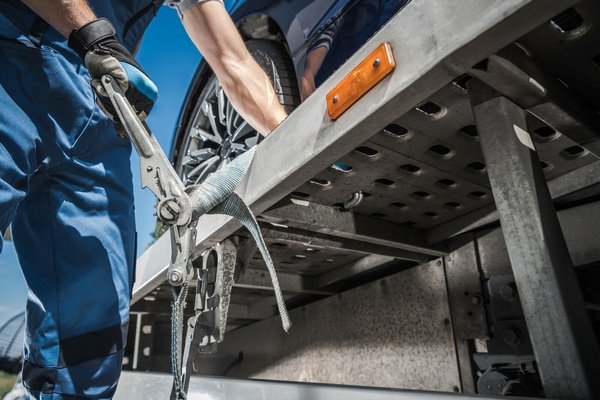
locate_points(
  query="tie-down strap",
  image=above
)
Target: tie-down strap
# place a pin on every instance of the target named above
(216, 196)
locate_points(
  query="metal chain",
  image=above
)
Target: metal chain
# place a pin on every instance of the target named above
(177, 314)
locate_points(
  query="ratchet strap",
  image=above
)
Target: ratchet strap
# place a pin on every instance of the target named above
(216, 196)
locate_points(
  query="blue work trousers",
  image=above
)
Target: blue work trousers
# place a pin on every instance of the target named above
(66, 187)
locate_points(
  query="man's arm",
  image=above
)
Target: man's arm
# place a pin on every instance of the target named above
(63, 15)
(94, 41)
(245, 83)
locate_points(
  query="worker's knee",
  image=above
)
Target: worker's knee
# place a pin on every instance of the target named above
(91, 379)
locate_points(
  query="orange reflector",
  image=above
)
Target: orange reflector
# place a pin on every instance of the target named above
(360, 80)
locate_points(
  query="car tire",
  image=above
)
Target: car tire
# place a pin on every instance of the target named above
(202, 151)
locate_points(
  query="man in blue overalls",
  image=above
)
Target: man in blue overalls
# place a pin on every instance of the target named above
(65, 180)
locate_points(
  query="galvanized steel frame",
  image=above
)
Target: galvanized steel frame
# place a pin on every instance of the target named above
(430, 52)
(562, 336)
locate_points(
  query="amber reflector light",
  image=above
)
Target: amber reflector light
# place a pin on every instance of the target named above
(360, 80)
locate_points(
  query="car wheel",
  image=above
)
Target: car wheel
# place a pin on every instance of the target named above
(216, 133)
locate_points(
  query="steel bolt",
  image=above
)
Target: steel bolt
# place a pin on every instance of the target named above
(169, 211)
(149, 168)
(166, 214)
(508, 291)
(175, 277)
(476, 300)
(376, 63)
(335, 99)
(511, 336)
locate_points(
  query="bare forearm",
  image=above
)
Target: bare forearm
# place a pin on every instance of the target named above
(251, 93)
(245, 83)
(314, 60)
(63, 15)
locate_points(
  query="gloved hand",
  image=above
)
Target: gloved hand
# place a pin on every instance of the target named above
(102, 54)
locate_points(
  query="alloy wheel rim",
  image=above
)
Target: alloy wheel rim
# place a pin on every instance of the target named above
(217, 135)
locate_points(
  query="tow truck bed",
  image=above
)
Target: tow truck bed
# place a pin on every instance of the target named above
(428, 218)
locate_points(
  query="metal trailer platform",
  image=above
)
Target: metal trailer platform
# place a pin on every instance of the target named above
(157, 387)
(490, 115)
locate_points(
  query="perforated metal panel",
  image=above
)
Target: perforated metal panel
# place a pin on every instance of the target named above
(427, 168)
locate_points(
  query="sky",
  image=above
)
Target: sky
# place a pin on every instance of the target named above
(170, 59)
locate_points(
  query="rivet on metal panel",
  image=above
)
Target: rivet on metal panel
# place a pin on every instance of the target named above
(511, 336)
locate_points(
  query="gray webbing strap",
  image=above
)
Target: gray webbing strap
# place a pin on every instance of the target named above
(177, 315)
(234, 206)
(216, 196)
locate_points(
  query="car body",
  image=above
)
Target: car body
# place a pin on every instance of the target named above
(328, 29)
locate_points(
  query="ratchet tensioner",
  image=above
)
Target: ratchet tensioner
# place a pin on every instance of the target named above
(174, 207)
(179, 208)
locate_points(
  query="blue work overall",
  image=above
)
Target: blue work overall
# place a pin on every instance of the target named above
(66, 187)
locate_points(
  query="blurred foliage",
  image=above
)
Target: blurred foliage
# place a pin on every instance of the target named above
(159, 229)
(6, 382)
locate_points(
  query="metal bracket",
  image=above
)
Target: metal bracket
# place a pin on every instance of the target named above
(207, 326)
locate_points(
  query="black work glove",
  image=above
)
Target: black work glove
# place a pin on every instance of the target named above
(102, 54)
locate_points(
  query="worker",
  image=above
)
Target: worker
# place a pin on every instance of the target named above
(65, 177)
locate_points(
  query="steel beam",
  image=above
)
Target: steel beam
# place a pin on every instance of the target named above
(562, 336)
(466, 300)
(354, 269)
(320, 240)
(314, 217)
(290, 283)
(430, 50)
(149, 386)
(516, 75)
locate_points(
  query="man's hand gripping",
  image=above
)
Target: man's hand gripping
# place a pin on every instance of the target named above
(96, 44)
